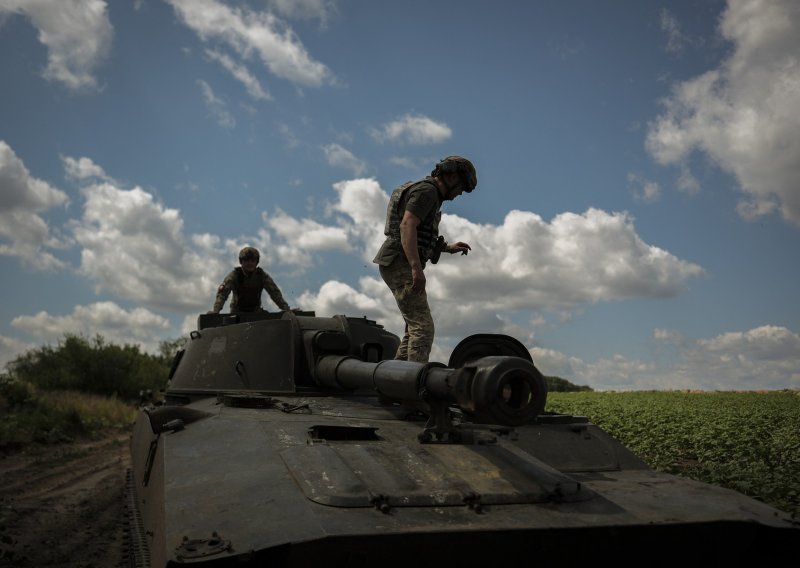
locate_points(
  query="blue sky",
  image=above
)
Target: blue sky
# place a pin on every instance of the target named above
(637, 217)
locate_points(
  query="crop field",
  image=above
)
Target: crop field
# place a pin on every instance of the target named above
(746, 441)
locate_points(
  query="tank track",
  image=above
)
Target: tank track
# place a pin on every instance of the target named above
(137, 553)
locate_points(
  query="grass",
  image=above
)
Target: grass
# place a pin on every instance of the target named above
(33, 417)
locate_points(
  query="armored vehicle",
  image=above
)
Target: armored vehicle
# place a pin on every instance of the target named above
(294, 440)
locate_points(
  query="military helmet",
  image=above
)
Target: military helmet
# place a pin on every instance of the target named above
(460, 166)
(249, 253)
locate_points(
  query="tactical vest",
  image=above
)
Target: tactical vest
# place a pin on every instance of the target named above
(428, 228)
(247, 290)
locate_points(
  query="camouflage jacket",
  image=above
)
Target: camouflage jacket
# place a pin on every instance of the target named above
(421, 198)
(246, 290)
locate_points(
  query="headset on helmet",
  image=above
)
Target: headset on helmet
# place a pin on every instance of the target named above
(460, 166)
(249, 253)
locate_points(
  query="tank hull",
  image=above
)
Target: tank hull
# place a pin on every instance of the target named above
(282, 443)
(259, 481)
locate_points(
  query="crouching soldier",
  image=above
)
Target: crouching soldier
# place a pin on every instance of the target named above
(246, 282)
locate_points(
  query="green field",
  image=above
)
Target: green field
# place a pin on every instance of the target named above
(747, 441)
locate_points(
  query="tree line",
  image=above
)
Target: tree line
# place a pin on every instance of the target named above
(92, 366)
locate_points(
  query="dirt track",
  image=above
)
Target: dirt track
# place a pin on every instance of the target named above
(64, 506)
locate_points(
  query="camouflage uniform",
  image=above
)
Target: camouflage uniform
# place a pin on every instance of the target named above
(247, 291)
(423, 199)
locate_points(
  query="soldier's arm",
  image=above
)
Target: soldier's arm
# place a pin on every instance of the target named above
(408, 239)
(223, 292)
(274, 292)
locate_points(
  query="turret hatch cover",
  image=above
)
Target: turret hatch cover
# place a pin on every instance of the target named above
(361, 474)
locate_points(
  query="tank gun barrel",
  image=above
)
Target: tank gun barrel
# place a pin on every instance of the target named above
(495, 389)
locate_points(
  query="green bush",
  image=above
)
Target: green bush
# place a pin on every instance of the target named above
(92, 367)
(77, 389)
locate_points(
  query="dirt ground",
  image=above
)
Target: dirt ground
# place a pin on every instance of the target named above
(64, 506)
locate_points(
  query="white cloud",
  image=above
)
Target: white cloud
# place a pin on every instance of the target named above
(217, 106)
(254, 33)
(342, 157)
(241, 74)
(81, 169)
(77, 34)
(339, 298)
(365, 203)
(23, 232)
(764, 358)
(574, 259)
(765, 343)
(744, 115)
(117, 325)
(292, 241)
(134, 248)
(413, 129)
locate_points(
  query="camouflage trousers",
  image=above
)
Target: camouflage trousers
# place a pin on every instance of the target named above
(418, 337)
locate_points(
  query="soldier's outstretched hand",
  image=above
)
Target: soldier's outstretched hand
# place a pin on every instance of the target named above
(460, 246)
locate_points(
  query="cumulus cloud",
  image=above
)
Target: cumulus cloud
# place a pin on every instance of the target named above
(293, 241)
(413, 129)
(76, 33)
(340, 298)
(364, 202)
(745, 114)
(23, 232)
(249, 34)
(338, 156)
(117, 325)
(577, 258)
(134, 248)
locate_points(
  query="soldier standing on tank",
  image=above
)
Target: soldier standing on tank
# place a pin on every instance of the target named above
(412, 238)
(246, 282)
